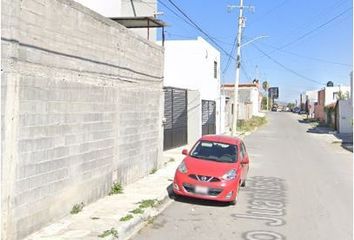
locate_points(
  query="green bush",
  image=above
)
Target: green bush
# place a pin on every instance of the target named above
(106, 233)
(137, 211)
(116, 189)
(77, 208)
(126, 218)
(147, 203)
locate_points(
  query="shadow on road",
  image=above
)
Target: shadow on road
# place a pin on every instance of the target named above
(346, 139)
(194, 201)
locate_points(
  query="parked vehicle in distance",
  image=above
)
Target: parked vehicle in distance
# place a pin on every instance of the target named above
(296, 110)
(274, 109)
(214, 169)
(302, 112)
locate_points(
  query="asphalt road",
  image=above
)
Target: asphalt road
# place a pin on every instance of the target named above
(300, 187)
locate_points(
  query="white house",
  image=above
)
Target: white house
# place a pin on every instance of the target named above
(345, 112)
(249, 101)
(309, 99)
(195, 65)
(129, 9)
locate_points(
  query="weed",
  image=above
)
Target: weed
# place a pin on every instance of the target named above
(251, 124)
(137, 211)
(148, 203)
(153, 171)
(77, 208)
(171, 160)
(126, 218)
(95, 218)
(116, 189)
(106, 233)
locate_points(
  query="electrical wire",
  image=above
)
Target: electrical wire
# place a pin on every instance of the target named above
(285, 67)
(230, 56)
(310, 58)
(311, 31)
(198, 27)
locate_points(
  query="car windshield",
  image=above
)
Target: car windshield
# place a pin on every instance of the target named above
(215, 151)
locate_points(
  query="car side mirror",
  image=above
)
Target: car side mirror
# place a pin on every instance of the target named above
(185, 152)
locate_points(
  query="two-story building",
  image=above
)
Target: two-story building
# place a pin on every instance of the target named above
(327, 99)
(193, 103)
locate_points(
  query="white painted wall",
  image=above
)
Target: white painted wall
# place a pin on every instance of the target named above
(124, 8)
(189, 64)
(345, 116)
(329, 93)
(255, 101)
(312, 96)
(107, 8)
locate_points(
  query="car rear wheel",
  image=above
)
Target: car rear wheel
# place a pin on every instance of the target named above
(243, 184)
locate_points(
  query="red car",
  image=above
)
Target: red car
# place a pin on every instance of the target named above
(214, 169)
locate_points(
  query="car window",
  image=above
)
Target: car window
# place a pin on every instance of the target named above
(215, 151)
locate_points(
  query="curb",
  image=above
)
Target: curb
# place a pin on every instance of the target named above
(133, 226)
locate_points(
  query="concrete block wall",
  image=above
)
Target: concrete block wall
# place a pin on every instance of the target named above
(81, 107)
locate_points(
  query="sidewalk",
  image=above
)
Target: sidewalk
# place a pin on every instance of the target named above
(102, 219)
(105, 214)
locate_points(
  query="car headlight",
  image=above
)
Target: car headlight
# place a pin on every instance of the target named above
(182, 167)
(230, 175)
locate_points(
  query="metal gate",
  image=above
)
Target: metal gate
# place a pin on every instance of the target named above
(175, 127)
(208, 117)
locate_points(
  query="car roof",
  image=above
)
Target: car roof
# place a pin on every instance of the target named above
(222, 139)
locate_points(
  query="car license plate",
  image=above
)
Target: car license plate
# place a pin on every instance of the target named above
(201, 190)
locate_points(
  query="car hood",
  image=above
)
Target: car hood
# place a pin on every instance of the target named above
(207, 167)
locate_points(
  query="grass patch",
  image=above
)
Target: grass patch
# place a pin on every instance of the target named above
(77, 208)
(171, 160)
(126, 218)
(137, 211)
(250, 124)
(95, 218)
(109, 232)
(116, 189)
(153, 171)
(148, 203)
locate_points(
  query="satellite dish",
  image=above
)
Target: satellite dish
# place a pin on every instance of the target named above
(329, 84)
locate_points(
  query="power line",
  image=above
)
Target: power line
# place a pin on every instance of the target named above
(230, 56)
(175, 13)
(192, 24)
(268, 12)
(285, 67)
(310, 58)
(312, 31)
(198, 27)
(320, 14)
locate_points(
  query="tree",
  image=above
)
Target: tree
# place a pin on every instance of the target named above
(291, 105)
(264, 103)
(265, 86)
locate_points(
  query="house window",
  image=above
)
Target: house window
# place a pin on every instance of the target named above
(215, 69)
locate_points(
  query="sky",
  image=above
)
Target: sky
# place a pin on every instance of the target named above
(315, 40)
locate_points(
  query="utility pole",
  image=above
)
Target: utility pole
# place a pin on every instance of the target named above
(241, 22)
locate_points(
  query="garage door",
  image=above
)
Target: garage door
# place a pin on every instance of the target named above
(175, 127)
(208, 117)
